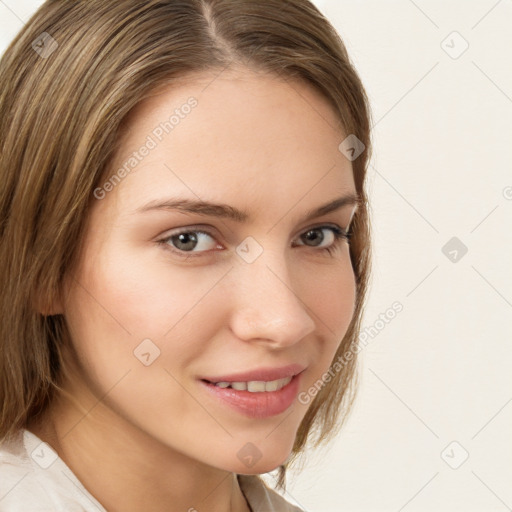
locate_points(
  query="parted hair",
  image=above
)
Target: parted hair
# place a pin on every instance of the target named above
(61, 116)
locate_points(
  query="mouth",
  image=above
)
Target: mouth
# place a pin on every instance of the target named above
(256, 398)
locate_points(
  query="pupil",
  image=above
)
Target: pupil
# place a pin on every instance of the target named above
(312, 236)
(186, 238)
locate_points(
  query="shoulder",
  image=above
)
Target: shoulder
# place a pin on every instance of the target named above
(262, 498)
(31, 478)
(20, 489)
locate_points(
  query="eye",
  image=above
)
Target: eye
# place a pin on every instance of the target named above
(189, 241)
(329, 243)
(194, 242)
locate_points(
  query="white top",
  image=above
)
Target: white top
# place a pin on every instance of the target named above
(33, 478)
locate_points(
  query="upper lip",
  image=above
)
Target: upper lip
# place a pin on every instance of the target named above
(260, 374)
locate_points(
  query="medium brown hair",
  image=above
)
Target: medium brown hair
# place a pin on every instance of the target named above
(61, 115)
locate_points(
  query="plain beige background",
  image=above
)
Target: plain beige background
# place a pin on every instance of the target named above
(431, 427)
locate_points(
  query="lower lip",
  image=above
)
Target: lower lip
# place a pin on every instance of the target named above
(257, 405)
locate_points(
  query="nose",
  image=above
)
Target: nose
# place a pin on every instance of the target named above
(266, 307)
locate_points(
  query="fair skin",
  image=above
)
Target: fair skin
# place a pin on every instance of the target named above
(153, 439)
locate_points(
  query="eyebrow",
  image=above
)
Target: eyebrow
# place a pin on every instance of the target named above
(226, 211)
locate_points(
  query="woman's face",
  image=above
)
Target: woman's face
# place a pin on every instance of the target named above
(166, 298)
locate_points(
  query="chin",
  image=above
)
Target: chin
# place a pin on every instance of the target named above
(251, 461)
(258, 469)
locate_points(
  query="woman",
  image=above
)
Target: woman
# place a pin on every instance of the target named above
(184, 248)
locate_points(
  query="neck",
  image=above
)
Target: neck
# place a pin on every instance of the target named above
(127, 470)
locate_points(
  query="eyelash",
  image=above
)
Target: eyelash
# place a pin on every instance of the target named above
(339, 236)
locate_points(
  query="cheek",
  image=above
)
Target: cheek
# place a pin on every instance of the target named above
(140, 294)
(331, 299)
(122, 300)
(126, 312)
(331, 296)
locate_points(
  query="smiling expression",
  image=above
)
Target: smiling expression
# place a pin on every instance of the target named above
(212, 259)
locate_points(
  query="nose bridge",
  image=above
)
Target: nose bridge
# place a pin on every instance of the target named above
(267, 306)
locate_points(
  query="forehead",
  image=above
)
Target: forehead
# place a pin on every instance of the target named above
(238, 137)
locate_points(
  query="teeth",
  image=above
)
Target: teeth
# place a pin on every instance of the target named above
(256, 386)
(274, 385)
